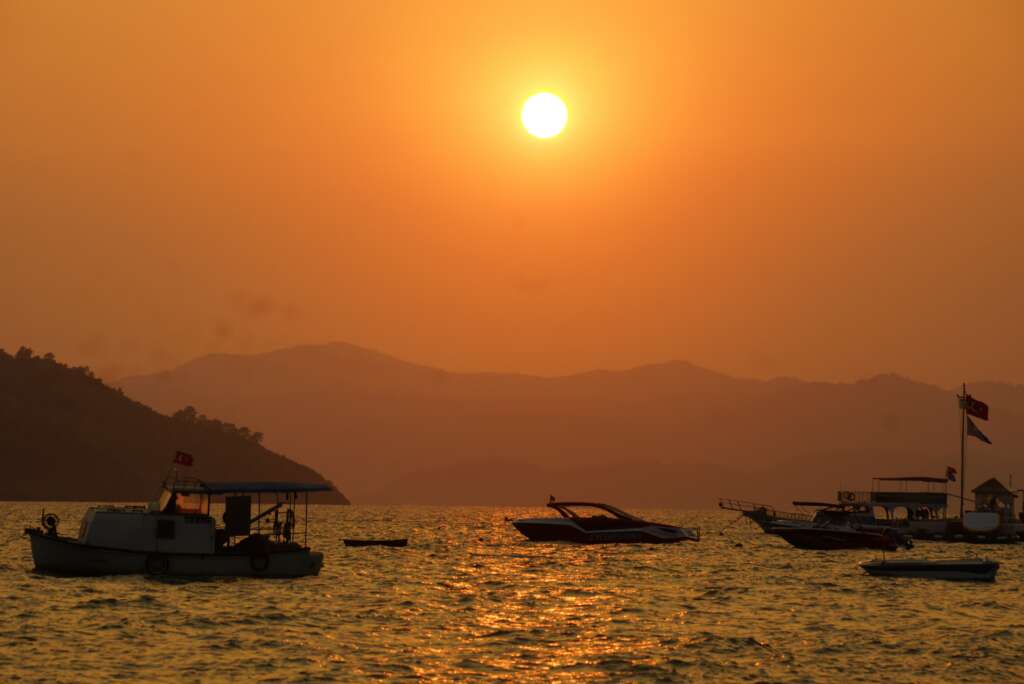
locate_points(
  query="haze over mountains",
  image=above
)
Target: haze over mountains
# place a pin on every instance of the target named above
(669, 434)
(64, 435)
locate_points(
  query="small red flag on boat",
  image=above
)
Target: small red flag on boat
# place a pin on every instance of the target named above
(951, 473)
(978, 409)
(181, 458)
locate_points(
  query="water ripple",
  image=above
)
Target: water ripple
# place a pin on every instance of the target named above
(470, 599)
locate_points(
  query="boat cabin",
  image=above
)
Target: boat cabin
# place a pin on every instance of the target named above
(992, 496)
(838, 513)
(180, 520)
(903, 498)
(137, 528)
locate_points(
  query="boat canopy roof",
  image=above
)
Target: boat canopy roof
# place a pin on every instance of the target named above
(916, 478)
(247, 487)
(565, 508)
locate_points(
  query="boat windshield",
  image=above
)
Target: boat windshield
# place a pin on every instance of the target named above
(588, 510)
(185, 504)
(193, 504)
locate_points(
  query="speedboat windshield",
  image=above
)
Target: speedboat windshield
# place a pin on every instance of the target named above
(579, 509)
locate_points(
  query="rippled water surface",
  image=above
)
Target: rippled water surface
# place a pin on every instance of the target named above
(471, 599)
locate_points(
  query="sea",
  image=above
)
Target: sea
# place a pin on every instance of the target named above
(471, 599)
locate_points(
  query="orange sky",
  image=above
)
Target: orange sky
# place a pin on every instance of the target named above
(826, 190)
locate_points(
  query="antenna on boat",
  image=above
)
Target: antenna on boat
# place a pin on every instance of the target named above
(963, 437)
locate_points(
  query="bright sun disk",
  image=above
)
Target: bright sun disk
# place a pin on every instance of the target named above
(544, 115)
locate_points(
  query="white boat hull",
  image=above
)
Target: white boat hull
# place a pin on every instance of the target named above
(63, 555)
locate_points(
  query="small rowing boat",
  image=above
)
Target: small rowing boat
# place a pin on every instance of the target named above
(376, 542)
(977, 569)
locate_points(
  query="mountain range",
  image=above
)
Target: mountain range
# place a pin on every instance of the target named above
(669, 434)
(65, 435)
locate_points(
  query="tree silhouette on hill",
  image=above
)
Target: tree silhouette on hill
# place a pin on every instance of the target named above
(65, 435)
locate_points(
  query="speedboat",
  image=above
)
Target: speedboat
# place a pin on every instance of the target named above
(978, 569)
(600, 523)
(176, 535)
(830, 537)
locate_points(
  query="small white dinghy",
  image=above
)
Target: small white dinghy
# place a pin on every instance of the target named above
(977, 569)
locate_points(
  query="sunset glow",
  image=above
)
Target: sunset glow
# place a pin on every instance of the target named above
(633, 333)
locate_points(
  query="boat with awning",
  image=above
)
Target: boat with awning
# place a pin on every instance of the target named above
(263, 533)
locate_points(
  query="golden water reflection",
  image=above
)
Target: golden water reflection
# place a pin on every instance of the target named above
(471, 599)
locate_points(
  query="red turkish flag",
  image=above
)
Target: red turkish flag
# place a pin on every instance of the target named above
(978, 409)
(181, 458)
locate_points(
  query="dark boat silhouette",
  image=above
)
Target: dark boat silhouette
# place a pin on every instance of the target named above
(977, 569)
(610, 525)
(834, 537)
(832, 526)
(839, 527)
(376, 542)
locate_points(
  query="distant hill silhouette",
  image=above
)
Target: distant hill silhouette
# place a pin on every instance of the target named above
(664, 434)
(64, 435)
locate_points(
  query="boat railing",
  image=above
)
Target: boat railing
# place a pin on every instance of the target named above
(120, 508)
(854, 497)
(764, 509)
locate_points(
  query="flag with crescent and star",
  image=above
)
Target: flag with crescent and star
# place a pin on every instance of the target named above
(978, 409)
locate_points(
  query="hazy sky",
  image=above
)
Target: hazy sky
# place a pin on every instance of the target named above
(821, 189)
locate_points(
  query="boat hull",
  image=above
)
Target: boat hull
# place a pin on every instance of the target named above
(66, 556)
(825, 539)
(977, 570)
(556, 529)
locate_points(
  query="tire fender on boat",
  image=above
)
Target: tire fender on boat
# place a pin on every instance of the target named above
(157, 564)
(259, 562)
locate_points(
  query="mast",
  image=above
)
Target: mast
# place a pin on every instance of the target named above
(963, 437)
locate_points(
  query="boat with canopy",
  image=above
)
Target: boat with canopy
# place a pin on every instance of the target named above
(177, 535)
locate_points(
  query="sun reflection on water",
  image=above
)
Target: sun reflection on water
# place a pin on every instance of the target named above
(470, 599)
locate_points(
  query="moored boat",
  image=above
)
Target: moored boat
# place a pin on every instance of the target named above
(919, 505)
(977, 569)
(831, 526)
(772, 520)
(177, 536)
(376, 542)
(608, 525)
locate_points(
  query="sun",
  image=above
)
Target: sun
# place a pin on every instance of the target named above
(544, 115)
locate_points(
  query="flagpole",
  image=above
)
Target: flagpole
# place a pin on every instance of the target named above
(963, 437)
